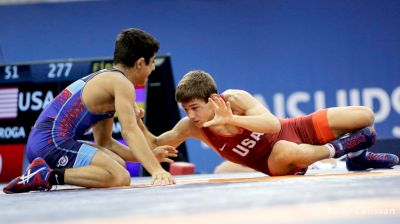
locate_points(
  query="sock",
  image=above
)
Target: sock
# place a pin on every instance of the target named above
(332, 150)
(355, 154)
(57, 177)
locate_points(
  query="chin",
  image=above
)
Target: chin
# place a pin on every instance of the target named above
(198, 124)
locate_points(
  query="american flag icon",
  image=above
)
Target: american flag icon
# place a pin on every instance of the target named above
(8, 103)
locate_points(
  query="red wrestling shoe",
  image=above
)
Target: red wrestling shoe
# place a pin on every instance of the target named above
(35, 178)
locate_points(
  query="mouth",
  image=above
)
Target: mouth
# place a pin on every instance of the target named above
(198, 123)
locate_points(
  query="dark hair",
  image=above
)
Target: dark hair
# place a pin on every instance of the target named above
(195, 84)
(132, 44)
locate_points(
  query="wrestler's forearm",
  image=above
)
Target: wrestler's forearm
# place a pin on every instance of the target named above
(116, 146)
(259, 124)
(140, 150)
(151, 139)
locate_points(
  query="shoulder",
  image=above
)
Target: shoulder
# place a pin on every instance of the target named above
(235, 93)
(186, 127)
(113, 77)
(113, 80)
(108, 76)
(239, 100)
(186, 124)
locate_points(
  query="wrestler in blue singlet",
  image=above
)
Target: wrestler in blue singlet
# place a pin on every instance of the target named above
(55, 135)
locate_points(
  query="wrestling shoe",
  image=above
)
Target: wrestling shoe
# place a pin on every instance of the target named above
(368, 160)
(35, 178)
(353, 142)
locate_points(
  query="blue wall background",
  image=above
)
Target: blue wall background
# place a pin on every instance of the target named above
(295, 56)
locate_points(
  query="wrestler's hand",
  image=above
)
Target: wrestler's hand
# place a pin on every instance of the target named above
(163, 152)
(139, 112)
(162, 177)
(222, 111)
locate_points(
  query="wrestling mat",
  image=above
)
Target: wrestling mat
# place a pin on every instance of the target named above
(321, 196)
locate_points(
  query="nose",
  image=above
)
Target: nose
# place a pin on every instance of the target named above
(191, 114)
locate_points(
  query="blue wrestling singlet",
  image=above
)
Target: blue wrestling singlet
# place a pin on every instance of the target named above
(55, 134)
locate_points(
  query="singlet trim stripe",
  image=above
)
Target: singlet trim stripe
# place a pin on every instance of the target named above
(76, 87)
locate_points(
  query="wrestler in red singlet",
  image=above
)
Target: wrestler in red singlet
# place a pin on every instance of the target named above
(253, 149)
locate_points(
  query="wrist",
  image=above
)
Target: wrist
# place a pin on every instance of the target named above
(232, 120)
(157, 170)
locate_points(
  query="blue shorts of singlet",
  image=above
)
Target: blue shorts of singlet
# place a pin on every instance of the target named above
(69, 153)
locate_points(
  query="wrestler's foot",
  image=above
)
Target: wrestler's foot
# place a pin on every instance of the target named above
(356, 141)
(35, 178)
(368, 160)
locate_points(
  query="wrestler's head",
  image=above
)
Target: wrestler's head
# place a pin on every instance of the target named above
(192, 92)
(136, 49)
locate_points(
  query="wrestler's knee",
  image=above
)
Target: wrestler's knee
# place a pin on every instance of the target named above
(120, 161)
(284, 147)
(115, 175)
(121, 177)
(282, 151)
(280, 159)
(367, 115)
(109, 171)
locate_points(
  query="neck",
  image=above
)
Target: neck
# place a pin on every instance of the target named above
(122, 68)
(129, 72)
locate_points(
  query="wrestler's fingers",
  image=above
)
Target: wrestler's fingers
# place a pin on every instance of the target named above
(170, 149)
(141, 113)
(155, 182)
(167, 180)
(222, 102)
(162, 178)
(228, 106)
(172, 154)
(167, 160)
(208, 123)
(213, 103)
(170, 180)
(167, 148)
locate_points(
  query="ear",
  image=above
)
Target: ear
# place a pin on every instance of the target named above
(140, 62)
(214, 95)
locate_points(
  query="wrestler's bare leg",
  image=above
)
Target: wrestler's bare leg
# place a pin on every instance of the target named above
(349, 119)
(285, 156)
(103, 171)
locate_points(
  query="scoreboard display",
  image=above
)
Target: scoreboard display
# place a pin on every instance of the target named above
(51, 71)
(27, 88)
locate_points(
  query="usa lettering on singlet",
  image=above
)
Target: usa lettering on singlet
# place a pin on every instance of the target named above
(248, 148)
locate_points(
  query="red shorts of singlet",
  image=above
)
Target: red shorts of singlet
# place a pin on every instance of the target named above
(309, 129)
